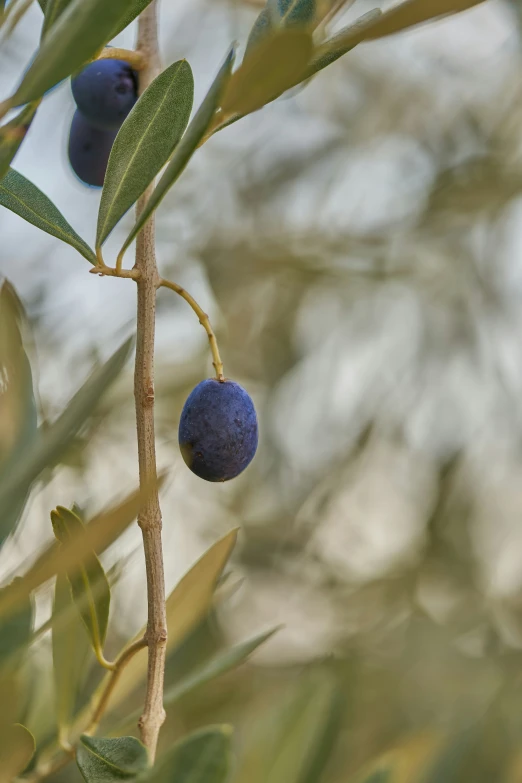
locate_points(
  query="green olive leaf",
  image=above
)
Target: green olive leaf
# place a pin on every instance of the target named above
(262, 28)
(189, 602)
(18, 419)
(15, 630)
(202, 757)
(53, 9)
(293, 742)
(12, 135)
(344, 41)
(145, 142)
(96, 536)
(276, 64)
(49, 443)
(221, 663)
(413, 12)
(22, 197)
(195, 132)
(71, 650)
(89, 583)
(134, 9)
(102, 760)
(83, 28)
(17, 748)
(292, 13)
(380, 776)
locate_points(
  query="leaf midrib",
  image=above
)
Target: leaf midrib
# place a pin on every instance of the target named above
(107, 762)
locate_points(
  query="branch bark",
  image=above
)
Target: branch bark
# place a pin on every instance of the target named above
(149, 518)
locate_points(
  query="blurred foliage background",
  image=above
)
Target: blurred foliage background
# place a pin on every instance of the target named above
(357, 245)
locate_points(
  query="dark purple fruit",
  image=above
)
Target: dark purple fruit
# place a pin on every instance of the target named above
(89, 150)
(218, 431)
(105, 92)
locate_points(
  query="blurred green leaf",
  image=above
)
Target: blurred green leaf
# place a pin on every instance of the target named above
(145, 142)
(15, 630)
(293, 742)
(50, 443)
(187, 605)
(89, 584)
(223, 662)
(70, 651)
(17, 747)
(22, 197)
(276, 64)
(447, 766)
(77, 35)
(12, 135)
(43, 4)
(292, 13)
(97, 535)
(261, 28)
(134, 9)
(18, 420)
(202, 757)
(195, 132)
(380, 776)
(10, 701)
(191, 599)
(103, 760)
(53, 9)
(413, 12)
(344, 41)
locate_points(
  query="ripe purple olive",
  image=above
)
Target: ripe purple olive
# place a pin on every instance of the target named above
(105, 91)
(89, 150)
(218, 432)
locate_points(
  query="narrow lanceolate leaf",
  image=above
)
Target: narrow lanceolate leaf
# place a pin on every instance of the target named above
(344, 41)
(413, 12)
(70, 652)
(195, 132)
(202, 757)
(89, 584)
(293, 741)
(22, 197)
(97, 535)
(380, 776)
(12, 135)
(18, 421)
(78, 34)
(50, 443)
(187, 605)
(145, 142)
(16, 630)
(261, 29)
(53, 10)
(278, 63)
(134, 9)
(292, 13)
(220, 664)
(17, 747)
(103, 760)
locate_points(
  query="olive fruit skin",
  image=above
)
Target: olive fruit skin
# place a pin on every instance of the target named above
(89, 150)
(218, 431)
(105, 91)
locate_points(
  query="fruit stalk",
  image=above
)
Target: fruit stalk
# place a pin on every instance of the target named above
(149, 518)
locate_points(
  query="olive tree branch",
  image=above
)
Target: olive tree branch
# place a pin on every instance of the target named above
(149, 518)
